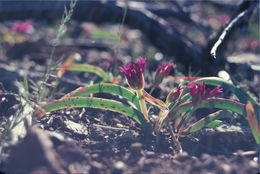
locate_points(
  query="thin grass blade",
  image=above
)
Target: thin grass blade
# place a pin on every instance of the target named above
(26, 87)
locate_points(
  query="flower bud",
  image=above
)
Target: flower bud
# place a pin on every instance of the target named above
(161, 73)
(174, 95)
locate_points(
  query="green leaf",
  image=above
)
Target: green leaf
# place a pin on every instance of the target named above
(185, 98)
(218, 103)
(164, 114)
(222, 103)
(106, 88)
(88, 68)
(242, 96)
(93, 102)
(214, 123)
(253, 122)
(206, 121)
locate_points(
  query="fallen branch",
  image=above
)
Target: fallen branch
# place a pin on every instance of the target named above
(231, 25)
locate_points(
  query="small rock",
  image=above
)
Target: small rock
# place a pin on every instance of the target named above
(226, 168)
(96, 164)
(252, 163)
(205, 157)
(135, 148)
(194, 159)
(119, 165)
(210, 163)
(141, 161)
(183, 157)
(150, 154)
(76, 128)
(35, 152)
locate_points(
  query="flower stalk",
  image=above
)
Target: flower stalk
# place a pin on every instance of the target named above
(142, 103)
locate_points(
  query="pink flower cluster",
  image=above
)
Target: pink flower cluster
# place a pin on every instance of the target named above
(200, 93)
(165, 69)
(161, 73)
(23, 27)
(134, 73)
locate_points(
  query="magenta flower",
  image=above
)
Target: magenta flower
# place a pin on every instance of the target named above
(22, 27)
(161, 73)
(200, 93)
(134, 73)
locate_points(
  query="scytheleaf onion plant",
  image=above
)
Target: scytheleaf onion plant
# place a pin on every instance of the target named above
(180, 104)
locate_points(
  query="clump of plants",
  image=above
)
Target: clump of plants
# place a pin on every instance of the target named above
(180, 104)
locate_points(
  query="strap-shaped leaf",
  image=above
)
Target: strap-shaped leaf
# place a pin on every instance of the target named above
(218, 103)
(214, 123)
(87, 68)
(253, 122)
(93, 102)
(242, 96)
(106, 88)
(204, 122)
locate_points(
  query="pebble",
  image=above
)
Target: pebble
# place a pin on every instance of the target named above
(183, 156)
(210, 163)
(226, 168)
(136, 146)
(119, 165)
(96, 164)
(253, 164)
(150, 154)
(205, 157)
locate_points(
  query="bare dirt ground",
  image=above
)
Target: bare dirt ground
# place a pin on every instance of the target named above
(96, 141)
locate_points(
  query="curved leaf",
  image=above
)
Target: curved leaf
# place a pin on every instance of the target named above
(93, 102)
(214, 123)
(87, 68)
(218, 103)
(106, 88)
(253, 122)
(206, 121)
